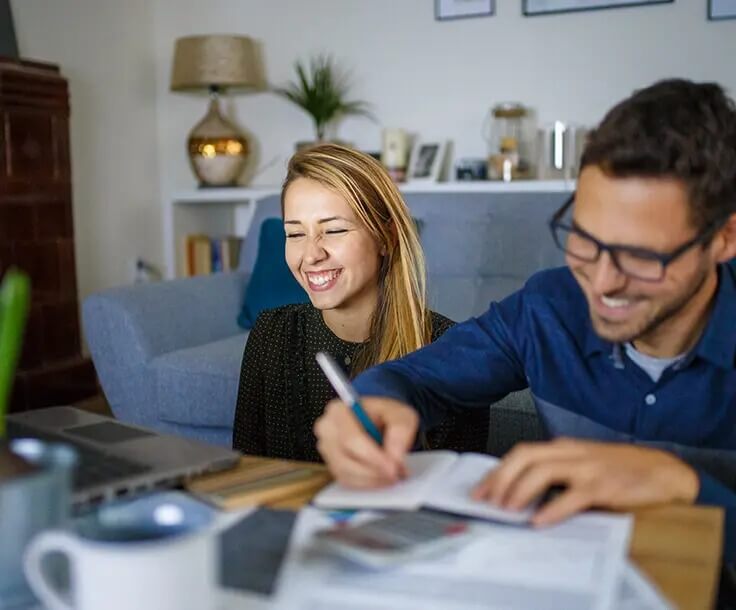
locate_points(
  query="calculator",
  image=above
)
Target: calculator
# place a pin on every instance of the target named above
(396, 538)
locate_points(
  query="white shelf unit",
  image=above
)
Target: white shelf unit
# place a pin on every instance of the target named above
(222, 211)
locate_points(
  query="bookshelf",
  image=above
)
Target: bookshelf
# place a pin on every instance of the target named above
(221, 211)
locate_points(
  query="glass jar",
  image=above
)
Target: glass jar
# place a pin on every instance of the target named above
(505, 131)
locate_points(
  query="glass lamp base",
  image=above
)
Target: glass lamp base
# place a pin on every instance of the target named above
(217, 150)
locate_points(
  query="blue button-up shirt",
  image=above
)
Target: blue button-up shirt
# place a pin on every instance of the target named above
(541, 337)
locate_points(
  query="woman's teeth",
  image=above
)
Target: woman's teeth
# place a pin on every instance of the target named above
(320, 279)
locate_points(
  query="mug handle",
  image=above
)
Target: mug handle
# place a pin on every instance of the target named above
(53, 541)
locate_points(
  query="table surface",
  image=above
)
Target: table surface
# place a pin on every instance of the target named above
(678, 547)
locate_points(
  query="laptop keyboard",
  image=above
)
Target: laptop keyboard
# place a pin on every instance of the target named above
(94, 468)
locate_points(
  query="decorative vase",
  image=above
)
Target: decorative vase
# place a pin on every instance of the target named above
(218, 150)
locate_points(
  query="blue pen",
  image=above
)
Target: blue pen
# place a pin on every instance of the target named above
(347, 393)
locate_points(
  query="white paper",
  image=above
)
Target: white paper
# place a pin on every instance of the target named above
(452, 494)
(426, 469)
(637, 593)
(573, 566)
(437, 479)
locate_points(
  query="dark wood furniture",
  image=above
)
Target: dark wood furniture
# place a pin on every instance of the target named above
(36, 232)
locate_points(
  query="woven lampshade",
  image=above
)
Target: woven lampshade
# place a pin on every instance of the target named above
(215, 61)
(217, 149)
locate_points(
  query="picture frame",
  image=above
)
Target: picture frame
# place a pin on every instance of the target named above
(533, 8)
(448, 10)
(721, 9)
(425, 162)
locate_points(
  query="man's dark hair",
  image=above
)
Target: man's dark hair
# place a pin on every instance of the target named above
(678, 129)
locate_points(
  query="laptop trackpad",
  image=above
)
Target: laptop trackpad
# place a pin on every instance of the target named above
(107, 432)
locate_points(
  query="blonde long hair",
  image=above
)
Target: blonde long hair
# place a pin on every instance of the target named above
(401, 322)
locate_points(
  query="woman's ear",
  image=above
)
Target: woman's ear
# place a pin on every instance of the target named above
(393, 236)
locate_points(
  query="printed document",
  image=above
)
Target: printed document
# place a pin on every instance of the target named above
(577, 565)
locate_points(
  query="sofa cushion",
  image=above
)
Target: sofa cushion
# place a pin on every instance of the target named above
(199, 385)
(272, 283)
(460, 297)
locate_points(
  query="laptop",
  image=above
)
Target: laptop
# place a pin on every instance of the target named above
(116, 459)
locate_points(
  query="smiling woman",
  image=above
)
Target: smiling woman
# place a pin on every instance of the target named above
(353, 246)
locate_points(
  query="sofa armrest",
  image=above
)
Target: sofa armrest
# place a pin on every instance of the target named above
(127, 327)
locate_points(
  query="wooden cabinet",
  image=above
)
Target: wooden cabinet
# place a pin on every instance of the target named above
(37, 233)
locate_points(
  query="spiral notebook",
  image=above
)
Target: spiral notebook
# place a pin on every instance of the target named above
(440, 480)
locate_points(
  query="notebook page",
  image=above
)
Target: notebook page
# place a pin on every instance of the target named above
(427, 469)
(453, 494)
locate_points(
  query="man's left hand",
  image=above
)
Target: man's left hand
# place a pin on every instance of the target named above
(602, 475)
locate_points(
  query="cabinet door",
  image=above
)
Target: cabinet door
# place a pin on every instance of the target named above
(30, 145)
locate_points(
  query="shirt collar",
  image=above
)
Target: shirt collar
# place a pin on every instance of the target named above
(718, 342)
(593, 343)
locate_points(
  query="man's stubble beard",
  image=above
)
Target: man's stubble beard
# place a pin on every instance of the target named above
(668, 312)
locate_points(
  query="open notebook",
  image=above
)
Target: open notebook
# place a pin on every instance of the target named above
(437, 479)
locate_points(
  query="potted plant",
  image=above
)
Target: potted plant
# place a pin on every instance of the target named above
(321, 90)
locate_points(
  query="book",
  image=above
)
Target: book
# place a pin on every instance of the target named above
(441, 480)
(216, 257)
(230, 252)
(196, 255)
(257, 481)
(202, 254)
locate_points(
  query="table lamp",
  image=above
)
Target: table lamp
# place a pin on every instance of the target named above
(218, 150)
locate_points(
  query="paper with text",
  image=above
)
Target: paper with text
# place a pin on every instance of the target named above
(576, 565)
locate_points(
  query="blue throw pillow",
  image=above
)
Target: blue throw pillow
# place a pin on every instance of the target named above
(271, 283)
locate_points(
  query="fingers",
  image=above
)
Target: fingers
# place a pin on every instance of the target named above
(352, 472)
(568, 503)
(497, 486)
(538, 479)
(400, 429)
(350, 453)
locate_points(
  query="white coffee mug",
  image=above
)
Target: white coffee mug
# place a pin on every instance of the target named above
(162, 564)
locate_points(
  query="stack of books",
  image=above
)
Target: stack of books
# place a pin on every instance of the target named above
(202, 254)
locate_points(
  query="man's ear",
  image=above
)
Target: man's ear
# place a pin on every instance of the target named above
(725, 241)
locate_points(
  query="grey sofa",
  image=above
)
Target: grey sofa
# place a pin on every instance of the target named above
(168, 354)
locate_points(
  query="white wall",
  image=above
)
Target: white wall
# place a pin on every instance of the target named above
(105, 50)
(437, 79)
(434, 78)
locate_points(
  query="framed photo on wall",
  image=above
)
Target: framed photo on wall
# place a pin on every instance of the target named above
(721, 9)
(461, 9)
(426, 161)
(549, 7)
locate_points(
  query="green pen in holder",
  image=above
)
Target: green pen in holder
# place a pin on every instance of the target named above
(14, 300)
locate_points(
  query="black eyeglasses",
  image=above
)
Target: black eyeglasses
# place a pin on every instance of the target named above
(637, 263)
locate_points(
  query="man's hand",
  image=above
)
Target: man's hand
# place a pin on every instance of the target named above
(605, 475)
(353, 458)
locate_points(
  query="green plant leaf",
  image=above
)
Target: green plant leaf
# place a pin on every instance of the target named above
(320, 90)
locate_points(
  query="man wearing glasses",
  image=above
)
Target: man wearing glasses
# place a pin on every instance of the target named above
(629, 351)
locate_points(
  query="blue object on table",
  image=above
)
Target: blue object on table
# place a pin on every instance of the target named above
(347, 394)
(154, 516)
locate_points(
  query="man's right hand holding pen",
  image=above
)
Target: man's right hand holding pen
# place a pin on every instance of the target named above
(352, 456)
(594, 474)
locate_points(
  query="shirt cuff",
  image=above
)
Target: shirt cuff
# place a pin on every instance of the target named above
(715, 493)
